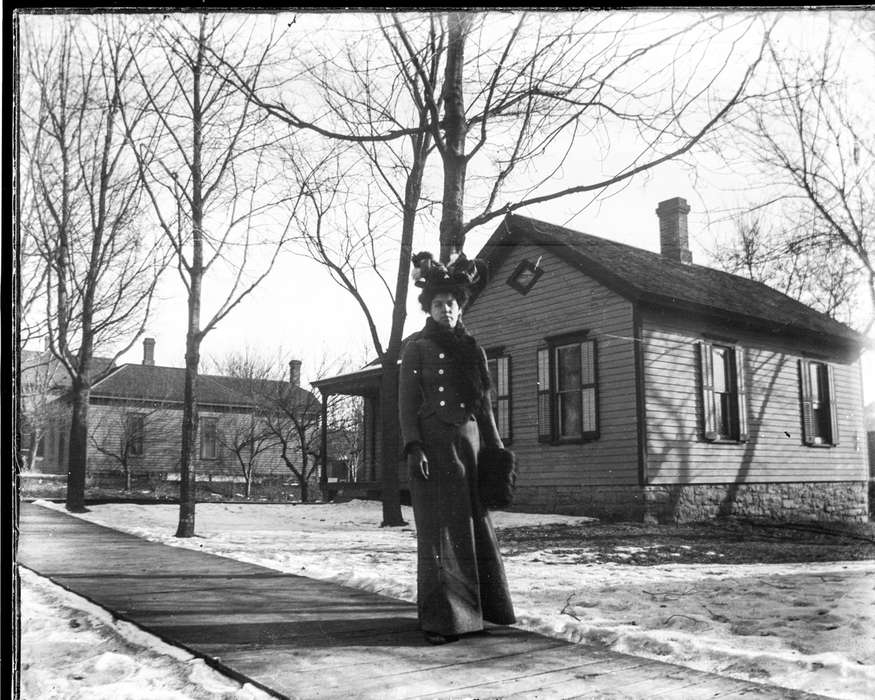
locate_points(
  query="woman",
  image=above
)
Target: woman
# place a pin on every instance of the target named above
(446, 417)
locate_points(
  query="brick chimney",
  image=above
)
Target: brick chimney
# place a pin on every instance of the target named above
(295, 372)
(148, 351)
(674, 238)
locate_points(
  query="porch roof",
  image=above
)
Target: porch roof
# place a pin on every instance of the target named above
(363, 382)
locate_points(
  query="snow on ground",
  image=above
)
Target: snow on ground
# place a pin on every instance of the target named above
(804, 626)
(73, 649)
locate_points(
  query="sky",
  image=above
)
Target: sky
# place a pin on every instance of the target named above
(299, 313)
(807, 626)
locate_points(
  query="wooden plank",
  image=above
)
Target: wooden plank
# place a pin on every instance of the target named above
(306, 638)
(685, 682)
(486, 677)
(389, 666)
(558, 682)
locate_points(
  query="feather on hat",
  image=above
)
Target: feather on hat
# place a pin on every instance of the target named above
(433, 275)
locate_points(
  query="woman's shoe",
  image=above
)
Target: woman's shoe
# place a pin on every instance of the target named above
(435, 638)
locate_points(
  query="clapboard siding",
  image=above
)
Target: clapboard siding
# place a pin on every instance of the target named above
(162, 438)
(162, 443)
(676, 449)
(563, 300)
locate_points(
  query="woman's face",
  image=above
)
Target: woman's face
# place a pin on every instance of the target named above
(445, 309)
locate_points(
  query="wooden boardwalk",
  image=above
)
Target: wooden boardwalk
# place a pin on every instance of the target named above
(301, 638)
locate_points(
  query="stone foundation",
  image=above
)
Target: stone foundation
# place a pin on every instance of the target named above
(791, 501)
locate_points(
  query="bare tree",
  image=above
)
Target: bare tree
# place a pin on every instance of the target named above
(120, 436)
(248, 437)
(346, 434)
(30, 270)
(40, 383)
(205, 168)
(812, 268)
(810, 140)
(98, 266)
(535, 80)
(292, 417)
(542, 93)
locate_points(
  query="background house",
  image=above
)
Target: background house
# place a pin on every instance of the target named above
(45, 422)
(250, 430)
(634, 384)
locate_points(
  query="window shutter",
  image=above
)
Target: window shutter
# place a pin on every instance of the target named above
(808, 432)
(708, 411)
(589, 403)
(833, 408)
(502, 388)
(509, 401)
(545, 423)
(741, 385)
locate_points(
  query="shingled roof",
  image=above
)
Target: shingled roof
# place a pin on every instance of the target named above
(45, 369)
(136, 382)
(645, 276)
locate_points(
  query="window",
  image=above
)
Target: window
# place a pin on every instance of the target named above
(525, 276)
(209, 438)
(819, 415)
(134, 433)
(724, 399)
(499, 371)
(568, 390)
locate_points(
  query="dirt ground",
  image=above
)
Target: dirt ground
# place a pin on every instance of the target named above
(725, 541)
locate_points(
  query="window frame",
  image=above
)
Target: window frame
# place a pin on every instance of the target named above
(135, 437)
(214, 423)
(497, 399)
(716, 404)
(548, 394)
(526, 265)
(826, 376)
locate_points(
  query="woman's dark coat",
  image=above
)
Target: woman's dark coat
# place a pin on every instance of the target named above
(460, 576)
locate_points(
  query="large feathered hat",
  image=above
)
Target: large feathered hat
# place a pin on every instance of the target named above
(459, 273)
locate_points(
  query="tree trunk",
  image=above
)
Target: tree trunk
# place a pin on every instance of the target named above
(455, 129)
(36, 439)
(187, 471)
(305, 491)
(187, 477)
(389, 434)
(77, 459)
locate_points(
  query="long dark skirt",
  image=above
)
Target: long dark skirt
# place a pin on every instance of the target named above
(460, 576)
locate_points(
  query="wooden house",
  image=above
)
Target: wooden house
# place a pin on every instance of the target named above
(44, 420)
(635, 384)
(135, 424)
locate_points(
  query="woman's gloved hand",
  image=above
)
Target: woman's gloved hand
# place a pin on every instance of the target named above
(417, 462)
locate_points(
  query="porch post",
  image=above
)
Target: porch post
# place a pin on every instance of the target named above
(323, 477)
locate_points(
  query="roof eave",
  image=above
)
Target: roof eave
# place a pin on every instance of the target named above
(364, 382)
(502, 242)
(850, 340)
